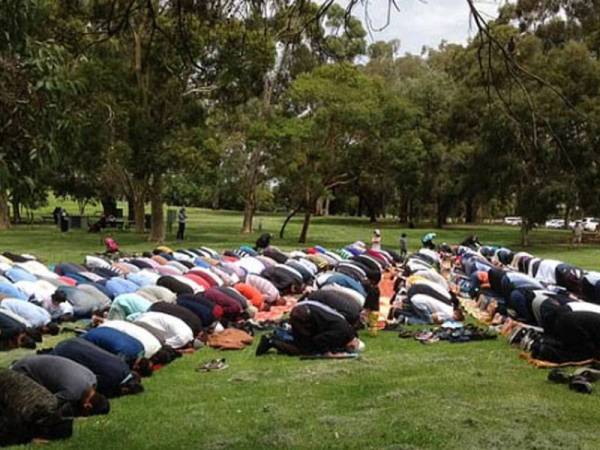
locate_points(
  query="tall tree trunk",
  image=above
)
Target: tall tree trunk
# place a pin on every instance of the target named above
(249, 208)
(309, 205)
(361, 205)
(16, 210)
(442, 214)
(286, 221)
(524, 234)
(109, 206)
(4, 219)
(567, 216)
(470, 210)
(130, 208)
(327, 205)
(81, 205)
(157, 231)
(319, 207)
(305, 225)
(403, 212)
(138, 212)
(372, 215)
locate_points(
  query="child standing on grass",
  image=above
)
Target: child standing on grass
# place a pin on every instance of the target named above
(403, 246)
(376, 240)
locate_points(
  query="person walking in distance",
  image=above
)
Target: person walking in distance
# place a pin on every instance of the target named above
(577, 233)
(181, 219)
(403, 246)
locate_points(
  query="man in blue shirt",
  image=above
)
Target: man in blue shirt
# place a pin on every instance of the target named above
(116, 342)
(346, 281)
(37, 316)
(118, 286)
(17, 274)
(10, 290)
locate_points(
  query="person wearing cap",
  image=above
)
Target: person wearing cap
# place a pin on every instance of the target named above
(427, 241)
(376, 240)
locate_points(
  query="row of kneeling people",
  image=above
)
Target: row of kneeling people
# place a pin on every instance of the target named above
(135, 328)
(423, 295)
(553, 302)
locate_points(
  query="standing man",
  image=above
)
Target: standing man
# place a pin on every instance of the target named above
(181, 218)
(403, 246)
(577, 233)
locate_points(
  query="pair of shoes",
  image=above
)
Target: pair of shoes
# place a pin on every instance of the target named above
(528, 339)
(265, 344)
(424, 335)
(213, 365)
(580, 384)
(516, 336)
(588, 373)
(404, 334)
(559, 376)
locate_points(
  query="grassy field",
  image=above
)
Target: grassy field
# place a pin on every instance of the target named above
(400, 394)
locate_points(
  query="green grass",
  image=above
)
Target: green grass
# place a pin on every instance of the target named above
(401, 394)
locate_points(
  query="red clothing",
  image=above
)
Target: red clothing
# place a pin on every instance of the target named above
(198, 280)
(253, 295)
(231, 307)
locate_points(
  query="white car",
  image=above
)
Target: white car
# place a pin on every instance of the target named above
(513, 220)
(590, 223)
(555, 223)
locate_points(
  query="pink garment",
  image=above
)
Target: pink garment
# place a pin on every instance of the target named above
(168, 270)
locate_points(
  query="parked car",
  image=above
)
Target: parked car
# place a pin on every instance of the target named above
(590, 223)
(513, 220)
(555, 223)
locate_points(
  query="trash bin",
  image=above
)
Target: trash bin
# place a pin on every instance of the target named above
(75, 221)
(147, 221)
(171, 216)
(64, 223)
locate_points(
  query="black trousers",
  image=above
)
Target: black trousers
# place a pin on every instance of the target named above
(180, 230)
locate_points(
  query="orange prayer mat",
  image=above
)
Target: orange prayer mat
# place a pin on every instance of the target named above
(541, 364)
(276, 312)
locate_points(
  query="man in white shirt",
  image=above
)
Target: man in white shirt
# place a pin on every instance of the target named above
(58, 307)
(168, 329)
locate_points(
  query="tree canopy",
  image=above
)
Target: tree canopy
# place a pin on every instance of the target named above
(284, 105)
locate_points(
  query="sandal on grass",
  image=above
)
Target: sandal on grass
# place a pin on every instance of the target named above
(588, 373)
(559, 376)
(213, 365)
(580, 384)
